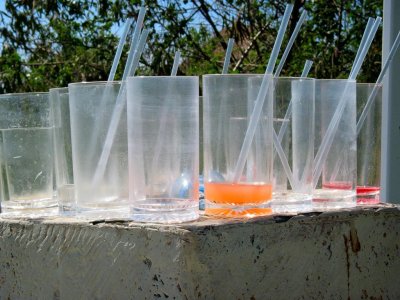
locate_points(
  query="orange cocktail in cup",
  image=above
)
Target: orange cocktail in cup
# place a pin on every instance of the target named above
(242, 195)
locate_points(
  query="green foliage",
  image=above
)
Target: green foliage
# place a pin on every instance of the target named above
(52, 43)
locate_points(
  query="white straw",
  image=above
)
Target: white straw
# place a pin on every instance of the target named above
(228, 55)
(371, 98)
(279, 39)
(363, 39)
(134, 43)
(278, 139)
(333, 125)
(138, 52)
(357, 67)
(282, 130)
(291, 42)
(177, 58)
(255, 116)
(120, 103)
(121, 43)
(285, 164)
(162, 130)
(116, 116)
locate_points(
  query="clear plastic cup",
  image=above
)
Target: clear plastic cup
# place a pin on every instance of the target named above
(227, 107)
(163, 135)
(27, 161)
(294, 100)
(59, 99)
(369, 146)
(338, 186)
(91, 107)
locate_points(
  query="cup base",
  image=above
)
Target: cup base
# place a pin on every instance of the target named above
(368, 199)
(31, 204)
(29, 213)
(66, 200)
(326, 199)
(290, 202)
(165, 210)
(237, 211)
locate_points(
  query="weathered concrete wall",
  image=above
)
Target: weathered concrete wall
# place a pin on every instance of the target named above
(351, 254)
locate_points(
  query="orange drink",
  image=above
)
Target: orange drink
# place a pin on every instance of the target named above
(237, 193)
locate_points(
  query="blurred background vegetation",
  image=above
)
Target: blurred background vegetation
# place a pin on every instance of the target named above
(46, 44)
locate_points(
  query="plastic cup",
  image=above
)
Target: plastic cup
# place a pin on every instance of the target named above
(27, 161)
(227, 107)
(59, 100)
(369, 146)
(91, 106)
(338, 186)
(298, 140)
(280, 181)
(163, 135)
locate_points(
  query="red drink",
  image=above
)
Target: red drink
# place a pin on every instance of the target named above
(368, 194)
(337, 185)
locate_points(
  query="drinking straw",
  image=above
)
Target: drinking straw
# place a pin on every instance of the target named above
(135, 38)
(291, 42)
(255, 116)
(228, 56)
(278, 139)
(304, 74)
(372, 96)
(222, 103)
(289, 174)
(162, 130)
(176, 63)
(138, 52)
(130, 68)
(121, 43)
(367, 30)
(333, 125)
(117, 58)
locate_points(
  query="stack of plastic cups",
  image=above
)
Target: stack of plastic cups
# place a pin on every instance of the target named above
(294, 104)
(91, 109)
(369, 146)
(226, 116)
(337, 189)
(163, 135)
(26, 155)
(59, 100)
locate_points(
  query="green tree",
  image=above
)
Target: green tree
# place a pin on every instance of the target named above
(52, 43)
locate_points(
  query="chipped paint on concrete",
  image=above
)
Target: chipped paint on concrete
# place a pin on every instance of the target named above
(349, 254)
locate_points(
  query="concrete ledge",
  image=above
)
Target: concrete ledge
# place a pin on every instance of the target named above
(351, 254)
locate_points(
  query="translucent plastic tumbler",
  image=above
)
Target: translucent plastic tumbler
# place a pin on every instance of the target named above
(294, 100)
(339, 165)
(59, 99)
(163, 136)
(92, 105)
(227, 106)
(26, 153)
(369, 145)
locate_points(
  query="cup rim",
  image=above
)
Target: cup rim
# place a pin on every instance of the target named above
(234, 75)
(88, 83)
(295, 78)
(369, 84)
(59, 89)
(160, 77)
(22, 94)
(335, 79)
